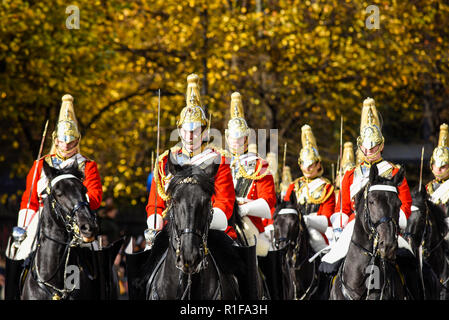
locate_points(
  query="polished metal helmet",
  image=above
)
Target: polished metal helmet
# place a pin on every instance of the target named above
(192, 115)
(309, 151)
(440, 155)
(67, 127)
(237, 126)
(370, 127)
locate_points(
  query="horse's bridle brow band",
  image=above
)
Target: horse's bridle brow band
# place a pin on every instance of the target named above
(61, 177)
(381, 187)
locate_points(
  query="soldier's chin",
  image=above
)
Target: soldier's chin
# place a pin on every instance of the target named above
(66, 154)
(441, 176)
(191, 147)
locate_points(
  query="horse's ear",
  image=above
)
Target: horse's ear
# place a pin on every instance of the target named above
(49, 171)
(173, 166)
(373, 173)
(211, 170)
(399, 176)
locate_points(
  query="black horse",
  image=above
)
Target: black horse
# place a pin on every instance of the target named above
(426, 231)
(66, 223)
(369, 270)
(198, 263)
(290, 231)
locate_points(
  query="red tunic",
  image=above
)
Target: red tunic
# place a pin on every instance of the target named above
(348, 203)
(327, 207)
(263, 188)
(92, 181)
(223, 198)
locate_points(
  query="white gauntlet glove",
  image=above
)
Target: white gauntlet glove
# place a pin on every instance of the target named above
(219, 220)
(257, 208)
(338, 221)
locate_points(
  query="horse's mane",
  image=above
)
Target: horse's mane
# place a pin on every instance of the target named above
(439, 216)
(206, 182)
(73, 170)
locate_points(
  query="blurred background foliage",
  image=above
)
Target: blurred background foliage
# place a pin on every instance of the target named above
(294, 62)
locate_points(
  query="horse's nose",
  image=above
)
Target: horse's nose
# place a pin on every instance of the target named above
(184, 264)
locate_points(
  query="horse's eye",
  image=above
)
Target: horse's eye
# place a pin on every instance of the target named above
(59, 193)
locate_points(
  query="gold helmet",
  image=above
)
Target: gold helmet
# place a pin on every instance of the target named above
(309, 152)
(67, 127)
(347, 159)
(286, 179)
(370, 127)
(272, 166)
(192, 115)
(237, 126)
(440, 155)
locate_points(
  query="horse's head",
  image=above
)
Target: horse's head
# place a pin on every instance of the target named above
(378, 205)
(286, 227)
(67, 199)
(190, 192)
(417, 220)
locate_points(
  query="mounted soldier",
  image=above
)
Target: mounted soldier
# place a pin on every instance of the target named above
(252, 179)
(438, 188)
(65, 152)
(370, 143)
(193, 130)
(311, 195)
(347, 163)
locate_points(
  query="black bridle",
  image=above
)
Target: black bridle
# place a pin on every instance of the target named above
(75, 239)
(372, 226)
(282, 242)
(373, 234)
(180, 232)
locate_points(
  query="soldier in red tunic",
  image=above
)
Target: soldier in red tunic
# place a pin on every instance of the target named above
(312, 194)
(252, 180)
(65, 152)
(192, 127)
(371, 143)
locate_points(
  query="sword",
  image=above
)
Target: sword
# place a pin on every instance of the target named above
(339, 171)
(150, 234)
(420, 172)
(19, 233)
(283, 163)
(157, 151)
(34, 173)
(341, 155)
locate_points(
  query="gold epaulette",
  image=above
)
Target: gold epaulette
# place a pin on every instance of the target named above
(256, 175)
(429, 187)
(47, 158)
(324, 196)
